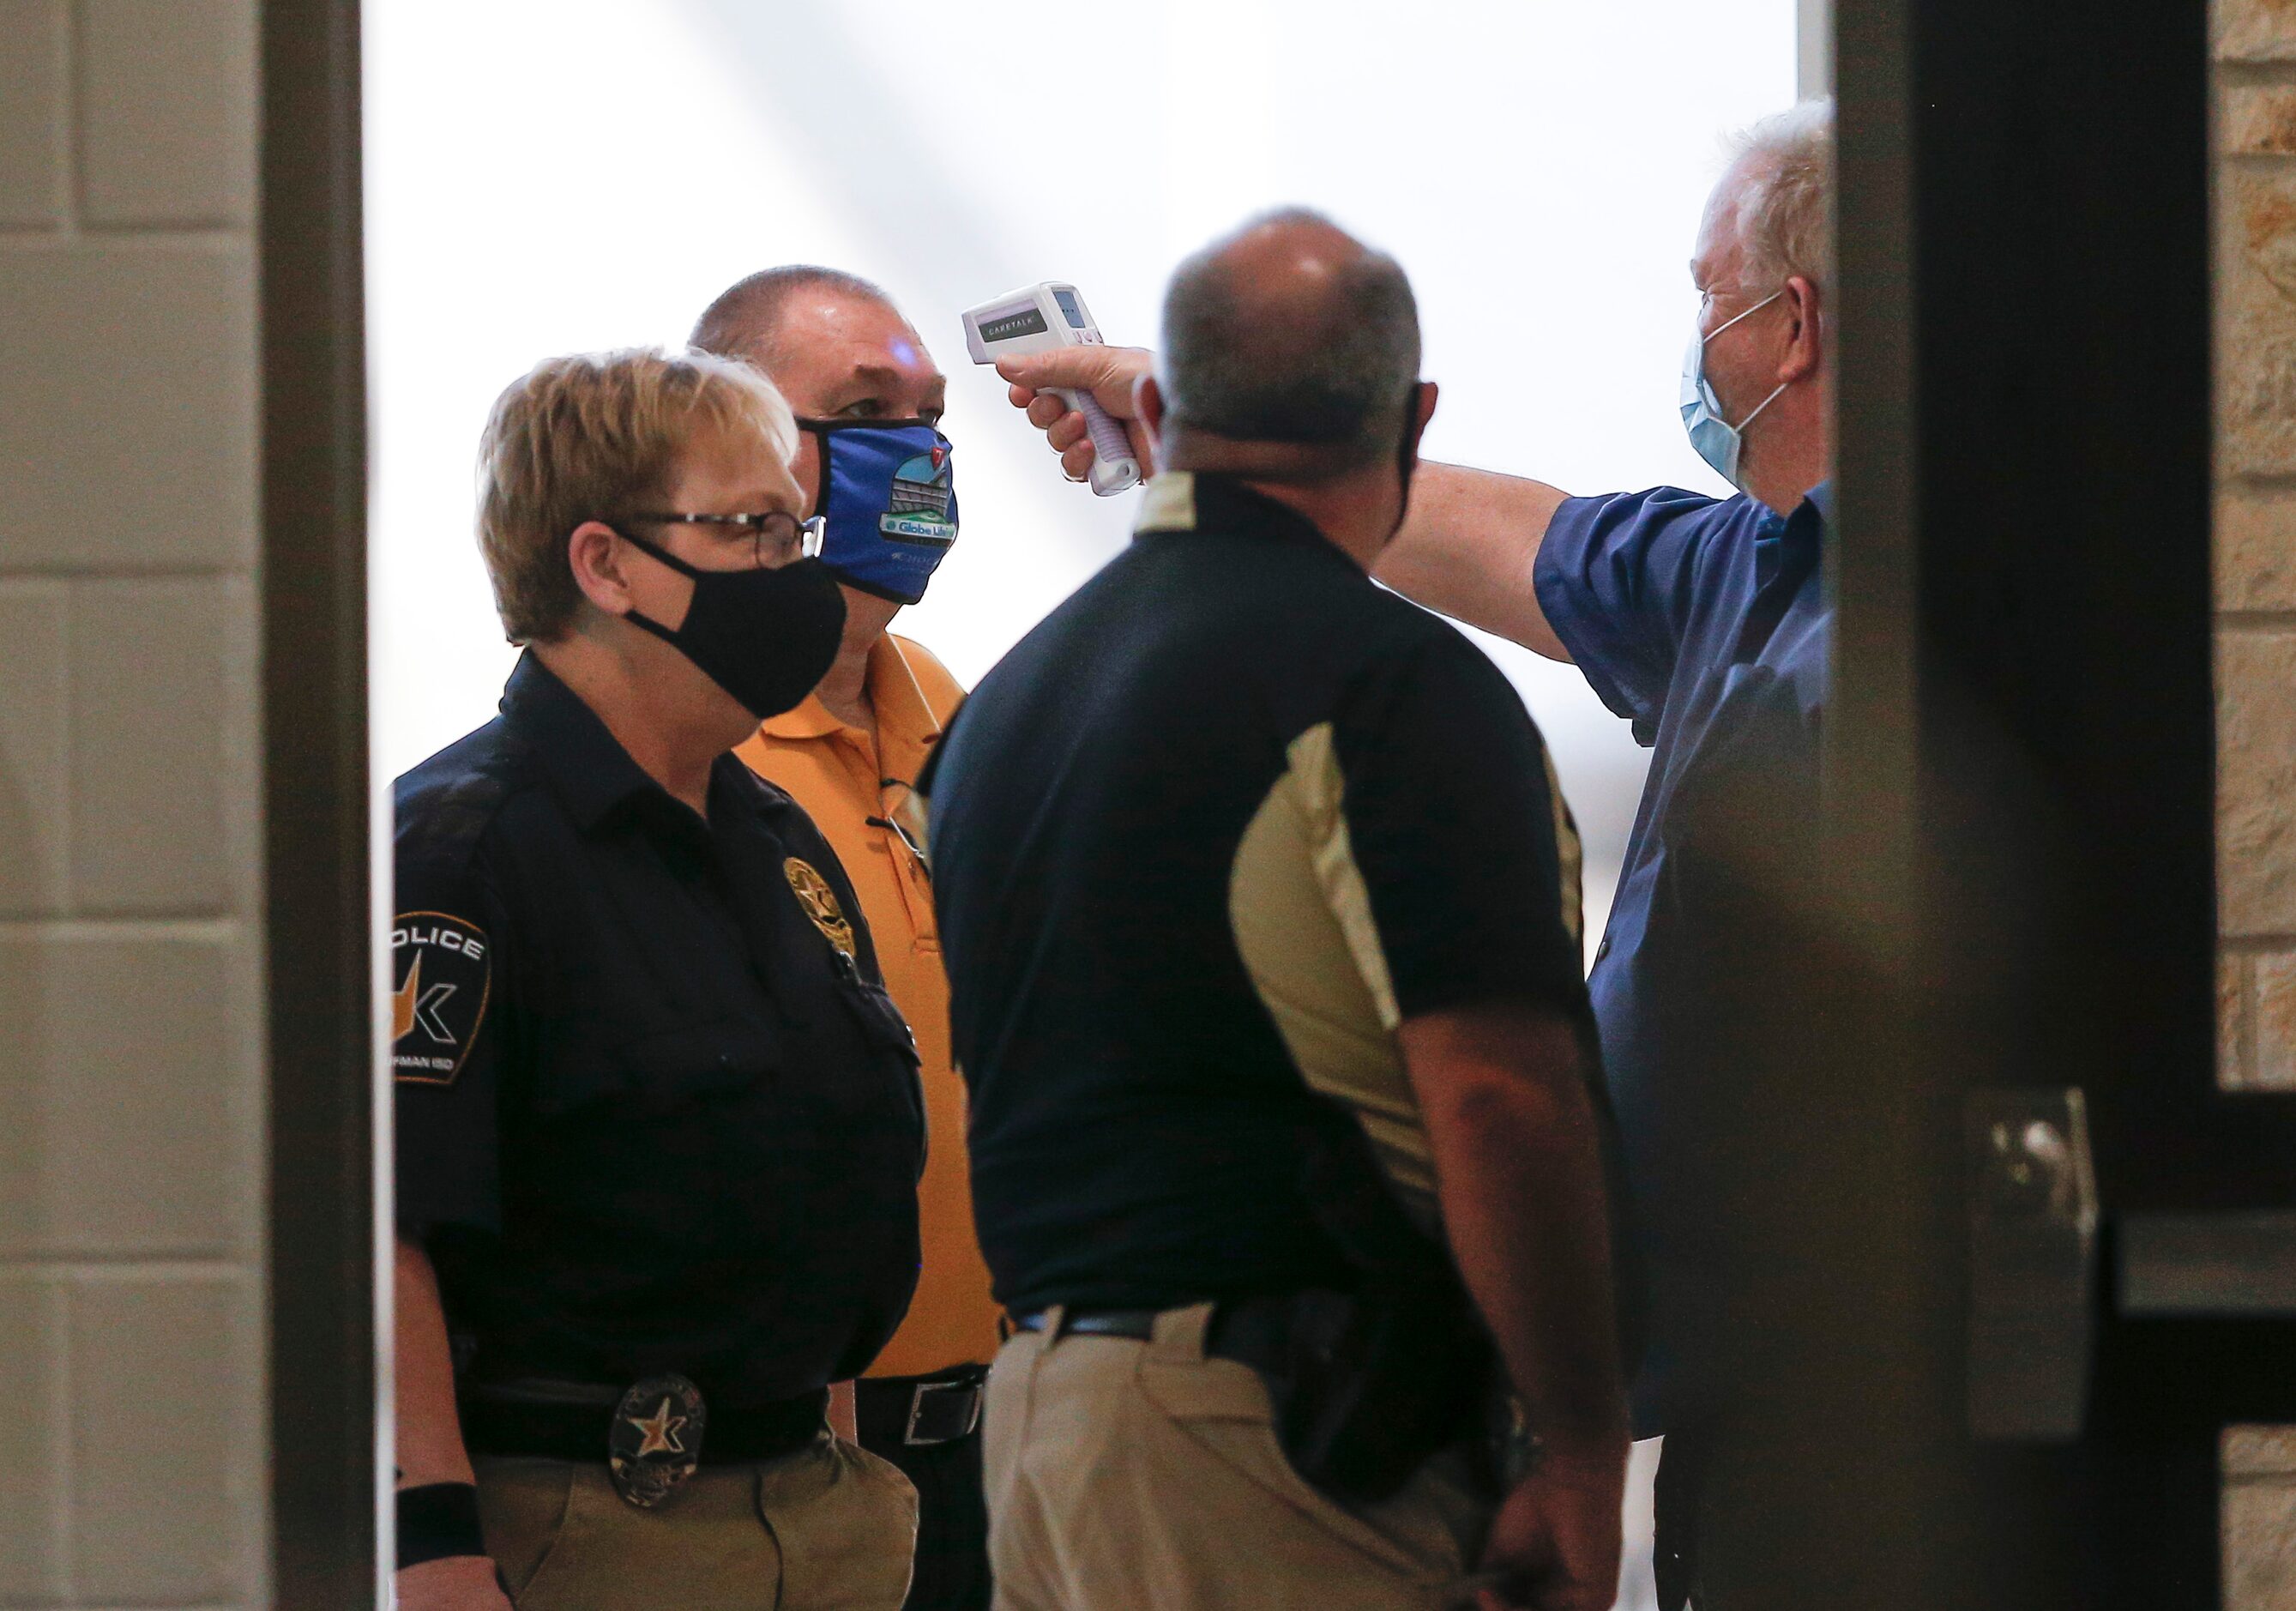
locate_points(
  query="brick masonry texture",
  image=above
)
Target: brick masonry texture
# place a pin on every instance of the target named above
(2255, 560)
(131, 1185)
(2256, 783)
(2256, 316)
(31, 130)
(2259, 1544)
(2274, 1031)
(2255, 30)
(2256, 547)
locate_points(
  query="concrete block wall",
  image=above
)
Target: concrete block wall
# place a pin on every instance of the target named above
(2255, 47)
(131, 1074)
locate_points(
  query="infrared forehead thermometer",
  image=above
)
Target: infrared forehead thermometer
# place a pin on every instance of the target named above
(1036, 319)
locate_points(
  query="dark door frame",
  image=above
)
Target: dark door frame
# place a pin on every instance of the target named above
(317, 854)
(2020, 783)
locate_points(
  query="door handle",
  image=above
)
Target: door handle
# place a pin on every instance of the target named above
(2032, 1263)
(2235, 1266)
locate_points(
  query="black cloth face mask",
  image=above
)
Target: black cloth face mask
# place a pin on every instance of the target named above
(766, 636)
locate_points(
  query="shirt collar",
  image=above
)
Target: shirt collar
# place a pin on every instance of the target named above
(1783, 539)
(586, 765)
(1203, 500)
(900, 704)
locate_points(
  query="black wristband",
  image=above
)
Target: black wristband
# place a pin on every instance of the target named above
(438, 1520)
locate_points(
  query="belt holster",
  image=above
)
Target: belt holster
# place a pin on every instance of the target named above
(1366, 1386)
(1368, 1383)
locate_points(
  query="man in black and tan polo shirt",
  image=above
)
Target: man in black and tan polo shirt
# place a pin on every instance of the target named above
(1261, 914)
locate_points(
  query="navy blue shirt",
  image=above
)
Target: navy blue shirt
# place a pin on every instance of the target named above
(1146, 823)
(655, 1111)
(1705, 623)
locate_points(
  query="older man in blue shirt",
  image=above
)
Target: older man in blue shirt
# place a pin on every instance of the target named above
(1704, 621)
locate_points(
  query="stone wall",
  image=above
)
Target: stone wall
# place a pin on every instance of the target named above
(2255, 43)
(131, 1081)
(2256, 539)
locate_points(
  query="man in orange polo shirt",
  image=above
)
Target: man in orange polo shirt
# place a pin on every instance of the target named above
(872, 460)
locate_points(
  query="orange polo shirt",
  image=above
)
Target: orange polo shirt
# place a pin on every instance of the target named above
(843, 780)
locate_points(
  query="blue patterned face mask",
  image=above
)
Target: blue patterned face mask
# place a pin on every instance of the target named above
(1717, 441)
(891, 501)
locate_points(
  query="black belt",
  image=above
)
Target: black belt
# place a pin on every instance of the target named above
(572, 1421)
(1252, 1331)
(917, 1410)
(1137, 1324)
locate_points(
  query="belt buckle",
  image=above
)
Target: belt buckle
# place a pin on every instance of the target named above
(926, 1392)
(655, 1442)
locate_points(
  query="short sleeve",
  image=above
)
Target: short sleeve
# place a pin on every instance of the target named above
(1617, 578)
(1456, 832)
(447, 1031)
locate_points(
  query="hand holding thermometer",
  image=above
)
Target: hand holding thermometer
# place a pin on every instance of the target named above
(1034, 319)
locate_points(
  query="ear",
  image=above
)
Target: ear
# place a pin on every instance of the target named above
(1148, 405)
(597, 555)
(807, 465)
(1423, 410)
(1805, 351)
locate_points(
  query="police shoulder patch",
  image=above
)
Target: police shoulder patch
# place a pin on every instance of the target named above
(442, 972)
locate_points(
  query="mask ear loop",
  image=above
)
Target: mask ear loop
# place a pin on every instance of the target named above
(820, 428)
(1765, 403)
(819, 432)
(1749, 314)
(663, 555)
(1725, 324)
(646, 623)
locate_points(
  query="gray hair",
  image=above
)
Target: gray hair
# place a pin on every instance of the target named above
(1786, 202)
(1336, 379)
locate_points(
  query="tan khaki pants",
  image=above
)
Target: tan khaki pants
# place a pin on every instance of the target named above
(829, 1528)
(1124, 1476)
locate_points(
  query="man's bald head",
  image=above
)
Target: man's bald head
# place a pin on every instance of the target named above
(745, 321)
(1290, 330)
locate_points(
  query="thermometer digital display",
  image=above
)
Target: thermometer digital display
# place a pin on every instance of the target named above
(1036, 319)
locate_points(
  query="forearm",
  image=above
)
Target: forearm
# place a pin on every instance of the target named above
(1520, 1179)
(1467, 547)
(429, 1433)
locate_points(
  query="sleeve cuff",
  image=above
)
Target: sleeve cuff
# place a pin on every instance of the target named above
(1582, 630)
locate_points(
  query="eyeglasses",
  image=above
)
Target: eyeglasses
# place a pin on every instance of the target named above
(779, 537)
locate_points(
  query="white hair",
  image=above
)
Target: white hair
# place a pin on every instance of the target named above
(1784, 201)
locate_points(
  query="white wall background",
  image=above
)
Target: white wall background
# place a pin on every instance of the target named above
(545, 176)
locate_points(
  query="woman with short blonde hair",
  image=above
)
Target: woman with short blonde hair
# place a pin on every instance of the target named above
(595, 436)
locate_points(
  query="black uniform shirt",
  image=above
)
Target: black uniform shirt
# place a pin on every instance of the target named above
(655, 1111)
(1199, 843)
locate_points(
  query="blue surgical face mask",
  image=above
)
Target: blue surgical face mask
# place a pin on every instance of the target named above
(1718, 443)
(887, 490)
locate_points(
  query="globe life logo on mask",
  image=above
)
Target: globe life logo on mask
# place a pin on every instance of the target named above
(889, 492)
(1718, 441)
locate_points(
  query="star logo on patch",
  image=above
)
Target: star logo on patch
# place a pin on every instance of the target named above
(412, 1005)
(659, 1430)
(443, 966)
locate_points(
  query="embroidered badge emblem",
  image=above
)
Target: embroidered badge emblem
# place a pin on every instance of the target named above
(820, 903)
(655, 1442)
(444, 972)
